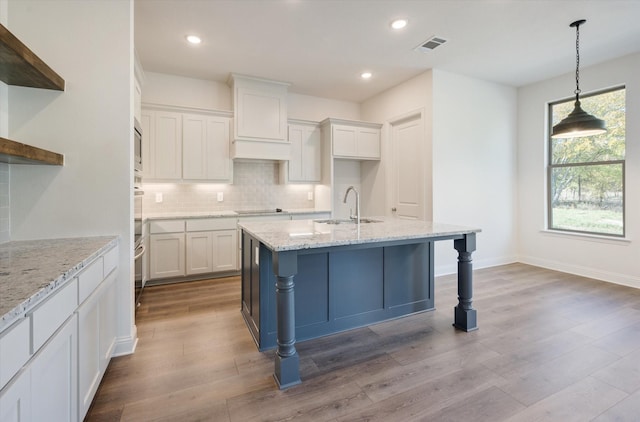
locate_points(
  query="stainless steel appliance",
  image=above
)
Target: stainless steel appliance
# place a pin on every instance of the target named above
(138, 193)
(139, 243)
(137, 147)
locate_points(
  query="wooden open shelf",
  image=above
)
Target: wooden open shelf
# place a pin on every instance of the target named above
(20, 66)
(13, 152)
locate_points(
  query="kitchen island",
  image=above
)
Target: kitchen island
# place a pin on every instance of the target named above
(346, 276)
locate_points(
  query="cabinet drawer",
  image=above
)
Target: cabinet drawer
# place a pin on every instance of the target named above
(209, 224)
(14, 350)
(50, 315)
(110, 261)
(89, 279)
(166, 226)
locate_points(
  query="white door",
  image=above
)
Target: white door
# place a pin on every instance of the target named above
(407, 137)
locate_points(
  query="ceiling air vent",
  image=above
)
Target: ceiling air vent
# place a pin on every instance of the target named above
(430, 44)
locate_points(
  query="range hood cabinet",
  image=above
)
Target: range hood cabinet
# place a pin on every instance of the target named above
(260, 119)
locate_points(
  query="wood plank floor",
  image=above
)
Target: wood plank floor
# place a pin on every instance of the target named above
(551, 346)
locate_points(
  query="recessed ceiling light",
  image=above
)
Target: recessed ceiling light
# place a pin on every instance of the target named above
(366, 75)
(194, 39)
(399, 23)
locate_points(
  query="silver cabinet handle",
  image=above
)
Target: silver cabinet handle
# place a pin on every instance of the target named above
(394, 209)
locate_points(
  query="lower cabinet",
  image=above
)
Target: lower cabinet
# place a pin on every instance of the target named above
(167, 256)
(15, 400)
(96, 340)
(181, 248)
(46, 388)
(71, 346)
(54, 372)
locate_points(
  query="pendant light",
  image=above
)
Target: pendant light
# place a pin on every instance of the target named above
(578, 123)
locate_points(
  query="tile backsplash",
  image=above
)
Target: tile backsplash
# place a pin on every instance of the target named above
(5, 221)
(255, 186)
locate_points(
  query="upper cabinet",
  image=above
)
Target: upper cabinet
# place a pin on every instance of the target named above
(352, 139)
(137, 93)
(260, 118)
(182, 144)
(305, 163)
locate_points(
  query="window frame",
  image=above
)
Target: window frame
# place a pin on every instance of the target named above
(551, 167)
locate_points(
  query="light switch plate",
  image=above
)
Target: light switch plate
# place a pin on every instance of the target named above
(220, 196)
(310, 196)
(159, 197)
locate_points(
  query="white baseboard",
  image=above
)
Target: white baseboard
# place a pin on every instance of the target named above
(608, 276)
(126, 345)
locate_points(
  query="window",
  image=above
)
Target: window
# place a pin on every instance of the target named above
(586, 175)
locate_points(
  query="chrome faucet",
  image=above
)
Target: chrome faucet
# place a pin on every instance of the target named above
(349, 189)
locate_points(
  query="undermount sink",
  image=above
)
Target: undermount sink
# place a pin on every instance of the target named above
(347, 221)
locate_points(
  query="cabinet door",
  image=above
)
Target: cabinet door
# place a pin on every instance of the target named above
(148, 123)
(88, 351)
(311, 155)
(368, 143)
(218, 154)
(166, 145)
(108, 320)
(225, 256)
(194, 147)
(199, 252)
(296, 134)
(344, 140)
(54, 376)
(15, 399)
(167, 255)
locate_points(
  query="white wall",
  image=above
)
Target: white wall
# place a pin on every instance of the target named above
(412, 95)
(615, 261)
(90, 44)
(306, 107)
(160, 88)
(474, 166)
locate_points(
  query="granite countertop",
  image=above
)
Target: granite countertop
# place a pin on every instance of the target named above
(308, 234)
(32, 269)
(222, 214)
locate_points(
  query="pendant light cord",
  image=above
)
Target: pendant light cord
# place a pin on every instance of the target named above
(577, 91)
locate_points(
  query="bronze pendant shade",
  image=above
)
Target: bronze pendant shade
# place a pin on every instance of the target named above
(578, 123)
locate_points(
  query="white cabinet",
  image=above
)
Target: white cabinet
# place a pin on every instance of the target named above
(192, 247)
(96, 339)
(167, 255)
(199, 252)
(205, 147)
(350, 139)
(15, 399)
(63, 349)
(162, 144)
(225, 243)
(54, 372)
(211, 245)
(181, 145)
(260, 118)
(305, 162)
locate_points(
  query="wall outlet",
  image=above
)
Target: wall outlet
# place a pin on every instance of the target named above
(158, 197)
(310, 196)
(220, 196)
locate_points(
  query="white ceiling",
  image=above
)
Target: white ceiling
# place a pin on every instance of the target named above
(322, 46)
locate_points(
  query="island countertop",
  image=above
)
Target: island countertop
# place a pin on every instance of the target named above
(309, 234)
(30, 270)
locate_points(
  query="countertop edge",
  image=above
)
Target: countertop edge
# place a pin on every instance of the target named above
(21, 309)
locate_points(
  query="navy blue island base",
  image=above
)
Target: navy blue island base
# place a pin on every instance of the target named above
(340, 284)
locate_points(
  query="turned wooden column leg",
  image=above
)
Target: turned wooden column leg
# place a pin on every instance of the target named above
(465, 317)
(287, 362)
